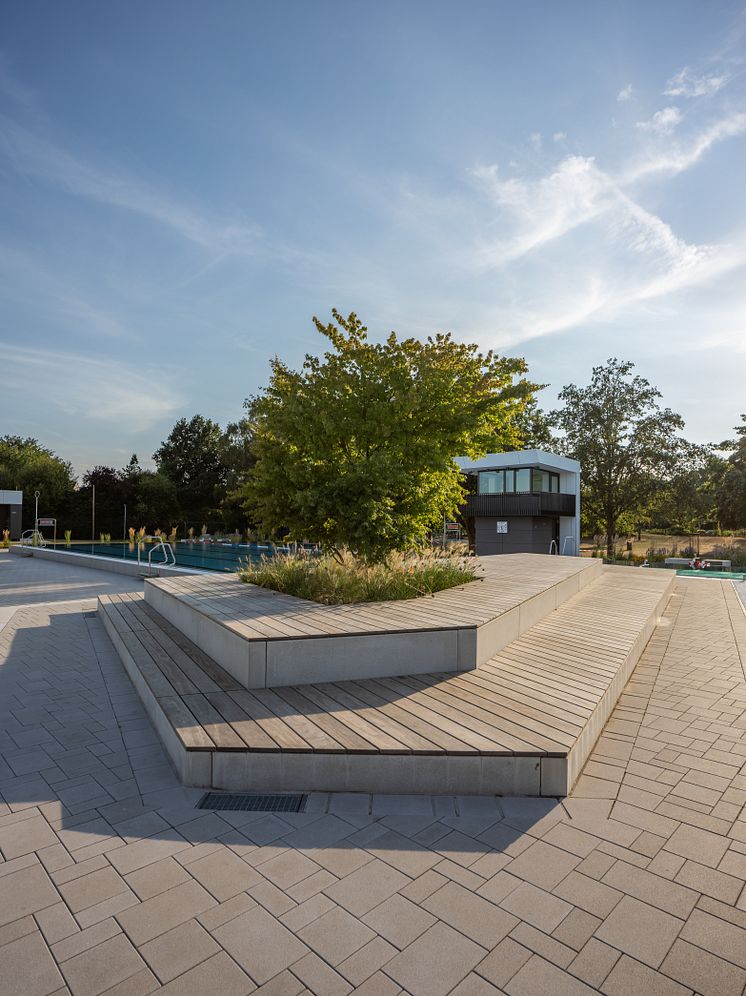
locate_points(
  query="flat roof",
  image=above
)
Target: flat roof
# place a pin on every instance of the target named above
(520, 458)
(11, 497)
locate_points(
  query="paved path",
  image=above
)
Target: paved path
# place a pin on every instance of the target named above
(111, 881)
(740, 587)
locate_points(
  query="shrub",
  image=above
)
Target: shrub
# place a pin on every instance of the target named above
(345, 579)
(735, 552)
(6, 538)
(68, 537)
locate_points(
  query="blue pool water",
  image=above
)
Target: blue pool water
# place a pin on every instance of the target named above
(723, 575)
(207, 556)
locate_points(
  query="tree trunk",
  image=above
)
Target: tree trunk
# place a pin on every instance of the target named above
(610, 529)
(468, 524)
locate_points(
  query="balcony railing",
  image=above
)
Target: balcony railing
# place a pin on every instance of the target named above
(521, 503)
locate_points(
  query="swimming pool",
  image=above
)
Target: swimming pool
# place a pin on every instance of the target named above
(206, 556)
(723, 575)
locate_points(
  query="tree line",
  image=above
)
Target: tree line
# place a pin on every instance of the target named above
(356, 450)
(199, 469)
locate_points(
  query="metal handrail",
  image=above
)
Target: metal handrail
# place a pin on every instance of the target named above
(571, 539)
(160, 544)
(553, 544)
(32, 537)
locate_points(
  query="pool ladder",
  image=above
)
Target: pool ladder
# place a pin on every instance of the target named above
(553, 549)
(169, 557)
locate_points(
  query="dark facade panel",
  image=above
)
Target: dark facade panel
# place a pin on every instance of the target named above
(520, 504)
(526, 534)
(10, 518)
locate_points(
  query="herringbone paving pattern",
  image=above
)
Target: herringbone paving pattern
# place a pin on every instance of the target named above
(112, 882)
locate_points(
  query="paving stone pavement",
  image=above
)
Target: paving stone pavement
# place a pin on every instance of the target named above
(112, 882)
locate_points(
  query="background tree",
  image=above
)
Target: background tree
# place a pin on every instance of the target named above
(112, 493)
(687, 501)
(238, 459)
(156, 503)
(192, 459)
(731, 495)
(534, 428)
(356, 449)
(26, 465)
(626, 443)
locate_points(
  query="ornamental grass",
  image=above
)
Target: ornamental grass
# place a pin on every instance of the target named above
(344, 579)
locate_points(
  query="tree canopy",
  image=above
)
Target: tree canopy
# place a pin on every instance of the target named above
(533, 428)
(192, 459)
(26, 465)
(732, 489)
(356, 449)
(628, 446)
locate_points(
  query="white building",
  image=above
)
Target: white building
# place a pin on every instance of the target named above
(525, 501)
(11, 506)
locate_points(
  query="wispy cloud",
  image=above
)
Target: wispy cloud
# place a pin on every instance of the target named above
(72, 307)
(85, 387)
(536, 141)
(33, 155)
(676, 158)
(575, 195)
(686, 84)
(625, 94)
(663, 122)
(543, 210)
(578, 244)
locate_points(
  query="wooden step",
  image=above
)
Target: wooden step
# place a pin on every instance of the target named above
(522, 723)
(266, 639)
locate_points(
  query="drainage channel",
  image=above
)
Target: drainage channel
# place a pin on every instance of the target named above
(251, 802)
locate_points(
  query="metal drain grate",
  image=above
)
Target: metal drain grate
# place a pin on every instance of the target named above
(248, 803)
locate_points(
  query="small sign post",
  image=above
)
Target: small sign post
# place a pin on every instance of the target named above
(48, 522)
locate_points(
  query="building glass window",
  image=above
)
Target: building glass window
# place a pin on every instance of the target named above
(523, 479)
(491, 482)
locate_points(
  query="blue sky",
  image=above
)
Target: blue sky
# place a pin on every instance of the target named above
(183, 185)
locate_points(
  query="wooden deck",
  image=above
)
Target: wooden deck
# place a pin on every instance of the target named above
(259, 614)
(266, 639)
(539, 704)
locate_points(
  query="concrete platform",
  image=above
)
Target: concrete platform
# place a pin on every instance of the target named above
(112, 565)
(521, 723)
(265, 639)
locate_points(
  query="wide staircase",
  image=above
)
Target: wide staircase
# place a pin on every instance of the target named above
(521, 722)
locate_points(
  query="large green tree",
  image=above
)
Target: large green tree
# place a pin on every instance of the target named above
(731, 498)
(356, 449)
(239, 459)
(192, 459)
(533, 427)
(112, 494)
(26, 465)
(627, 445)
(156, 503)
(687, 500)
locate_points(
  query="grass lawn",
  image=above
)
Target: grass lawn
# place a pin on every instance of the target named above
(660, 541)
